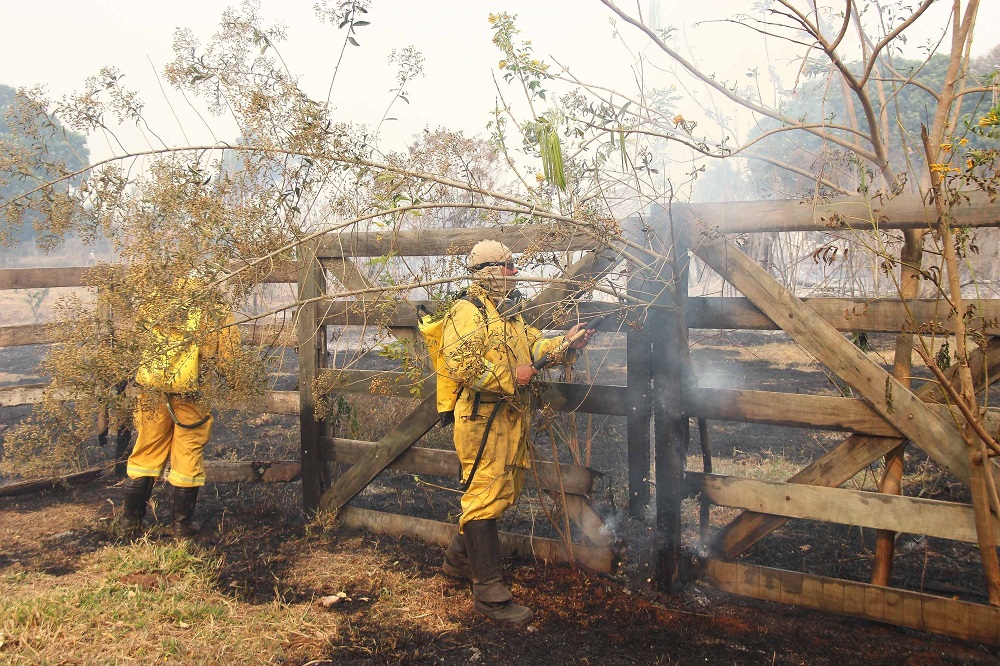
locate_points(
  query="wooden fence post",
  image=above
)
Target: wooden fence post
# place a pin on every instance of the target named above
(637, 368)
(669, 364)
(312, 349)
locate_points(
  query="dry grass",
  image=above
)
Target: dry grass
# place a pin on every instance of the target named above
(159, 602)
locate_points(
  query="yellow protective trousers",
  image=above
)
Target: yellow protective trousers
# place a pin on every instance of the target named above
(500, 476)
(159, 438)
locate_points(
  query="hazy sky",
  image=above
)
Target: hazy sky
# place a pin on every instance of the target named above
(58, 43)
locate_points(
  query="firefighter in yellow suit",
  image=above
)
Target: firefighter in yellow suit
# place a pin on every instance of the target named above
(489, 349)
(172, 419)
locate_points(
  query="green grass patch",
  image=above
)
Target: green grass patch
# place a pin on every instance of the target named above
(144, 602)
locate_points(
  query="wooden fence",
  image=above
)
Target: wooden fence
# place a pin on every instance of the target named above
(660, 398)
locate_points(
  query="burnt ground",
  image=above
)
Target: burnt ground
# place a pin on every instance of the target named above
(580, 617)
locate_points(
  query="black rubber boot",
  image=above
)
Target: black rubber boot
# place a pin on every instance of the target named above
(492, 598)
(137, 493)
(184, 503)
(456, 559)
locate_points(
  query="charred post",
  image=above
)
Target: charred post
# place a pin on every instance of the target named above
(671, 428)
(312, 343)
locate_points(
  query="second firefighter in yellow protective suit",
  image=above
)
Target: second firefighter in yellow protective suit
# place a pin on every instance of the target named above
(187, 344)
(489, 350)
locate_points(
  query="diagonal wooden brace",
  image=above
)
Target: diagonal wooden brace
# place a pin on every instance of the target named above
(391, 446)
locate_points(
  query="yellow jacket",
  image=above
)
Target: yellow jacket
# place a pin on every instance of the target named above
(185, 343)
(482, 353)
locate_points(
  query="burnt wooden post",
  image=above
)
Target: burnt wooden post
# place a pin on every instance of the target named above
(638, 348)
(637, 367)
(312, 352)
(669, 364)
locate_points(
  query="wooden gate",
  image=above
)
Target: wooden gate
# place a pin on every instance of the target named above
(659, 400)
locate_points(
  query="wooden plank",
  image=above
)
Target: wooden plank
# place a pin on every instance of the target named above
(903, 608)
(72, 276)
(27, 334)
(387, 449)
(564, 397)
(27, 394)
(787, 409)
(915, 515)
(274, 335)
(844, 314)
(41, 278)
(338, 312)
(274, 471)
(441, 534)
(268, 334)
(907, 211)
(450, 242)
(890, 398)
(669, 368)
(444, 462)
(274, 402)
(38, 485)
(798, 410)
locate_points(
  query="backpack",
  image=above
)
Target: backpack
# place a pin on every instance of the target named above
(431, 326)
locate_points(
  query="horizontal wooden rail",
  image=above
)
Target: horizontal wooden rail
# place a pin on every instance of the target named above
(37, 485)
(576, 480)
(26, 394)
(264, 334)
(597, 558)
(41, 278)
(799, 410)
(26, 334)
(73, 276)
(404, 313)
(445, 242)
(898, 513)
(786, 409)
(845, 314)
(605, 399)
(902, 608)
(272, 471)
(908, 211)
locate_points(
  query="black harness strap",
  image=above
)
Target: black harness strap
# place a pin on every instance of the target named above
(464, 485)
(173, 417)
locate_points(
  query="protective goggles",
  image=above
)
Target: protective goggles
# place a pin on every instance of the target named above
(509, 264)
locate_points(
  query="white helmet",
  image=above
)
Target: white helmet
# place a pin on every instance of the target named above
(488, 253)
(487, 260)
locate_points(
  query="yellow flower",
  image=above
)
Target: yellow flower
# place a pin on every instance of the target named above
(493, 19)
(969, 165)
(540, 178)
(678, 119)
(503, 64)
(963, 142)
(946, 147)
